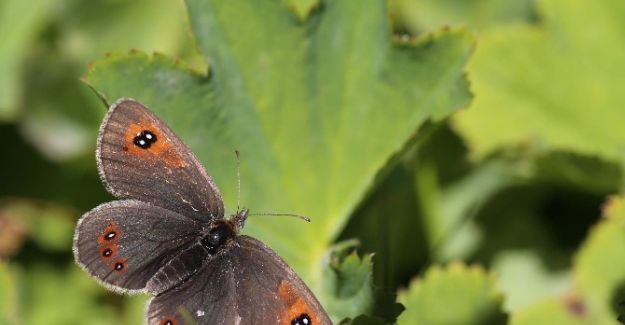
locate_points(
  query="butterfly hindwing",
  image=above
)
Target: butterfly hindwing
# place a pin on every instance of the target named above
(124, 243)
(139, 157)
(246, 284)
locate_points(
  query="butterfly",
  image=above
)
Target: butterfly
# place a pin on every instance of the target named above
(167, 235)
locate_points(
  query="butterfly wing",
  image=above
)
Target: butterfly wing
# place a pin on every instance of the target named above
(124, 243)
(248, 284)
(139, 157)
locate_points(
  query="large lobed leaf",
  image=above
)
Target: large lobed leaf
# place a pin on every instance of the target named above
(558, 83)
(316, 107)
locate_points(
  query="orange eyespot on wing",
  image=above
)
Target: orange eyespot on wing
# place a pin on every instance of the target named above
(108, 248)
(108, 252)
(145, 140)
(120, 266)
(111, 234)
(298, 311)
(169, 320)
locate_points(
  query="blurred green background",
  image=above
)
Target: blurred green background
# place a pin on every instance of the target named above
(461, 160)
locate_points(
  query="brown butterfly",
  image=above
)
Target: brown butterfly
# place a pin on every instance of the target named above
(167, 236)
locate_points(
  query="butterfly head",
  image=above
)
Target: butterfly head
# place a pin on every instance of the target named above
(238, 219)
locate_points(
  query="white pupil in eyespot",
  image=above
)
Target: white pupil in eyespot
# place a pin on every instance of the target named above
(302, 319)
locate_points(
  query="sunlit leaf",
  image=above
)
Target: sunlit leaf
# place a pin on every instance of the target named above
(419, 15)
(557, 84)
(550, 312)
(598, 270)
(456, 294)
(8, 296)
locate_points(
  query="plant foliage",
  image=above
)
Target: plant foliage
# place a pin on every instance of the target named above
(461, 161)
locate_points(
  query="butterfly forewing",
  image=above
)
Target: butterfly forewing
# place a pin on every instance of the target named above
(246, 284)
(124, 243)
(139, 157)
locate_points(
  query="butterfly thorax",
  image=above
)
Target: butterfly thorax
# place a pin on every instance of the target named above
(222, 231)
(217, 236)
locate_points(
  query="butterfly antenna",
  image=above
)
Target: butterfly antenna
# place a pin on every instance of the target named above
(305, 218)
(236, 152)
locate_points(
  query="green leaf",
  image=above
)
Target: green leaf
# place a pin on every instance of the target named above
(598, 270)
(135, 308)
(297, 100)
(558, 84)
(363, 320)
(348, 282)
(532, 181)
(456, 294)
(20, 21)
(571, 170)
(525, 279)
(387, 224)
(419, 15)
(51, 295)
(550, 312)
(88, 30)
(303, 7)
(8, 296)
(50, 226)
(61, 116)
(599, 277)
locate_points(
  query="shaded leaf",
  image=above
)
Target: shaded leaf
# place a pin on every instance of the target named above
(348, 281)
(363, 320)
(60, 116)
(49, 225)
(28, 174)
(20, 22)
(388, 224)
